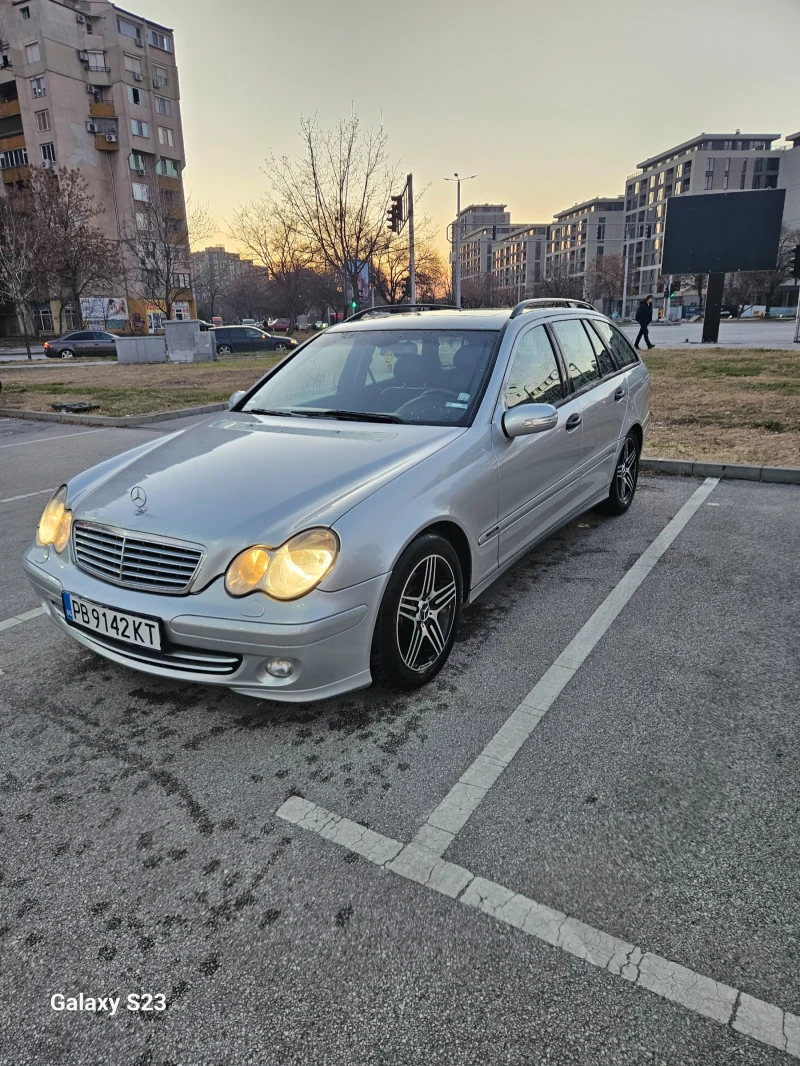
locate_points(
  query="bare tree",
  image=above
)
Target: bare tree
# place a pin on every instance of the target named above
(740, 290)
(157, 242)
(208, 286)
(79, 259)
(337, 192)
(694, 283)
(247, 295)
(605, 279)
(769, 282)
(558, 282)
(22, 246)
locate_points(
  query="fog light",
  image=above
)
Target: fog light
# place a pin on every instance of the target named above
(280, 668)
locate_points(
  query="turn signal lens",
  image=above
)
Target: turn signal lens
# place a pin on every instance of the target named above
(56, 522)
(284, 573)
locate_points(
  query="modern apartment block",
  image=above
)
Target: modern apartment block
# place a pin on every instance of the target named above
(219, 266)
(708, 163)
(581, 232)
(518, 259)
(86, 84)
(789, 179)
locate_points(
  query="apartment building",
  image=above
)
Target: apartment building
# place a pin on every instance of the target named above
(708, 163)
(580, 233)
(518, 260)
(87, 84)
(219, 266)
(789, 179)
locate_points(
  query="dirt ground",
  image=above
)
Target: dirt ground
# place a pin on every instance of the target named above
(726, 405)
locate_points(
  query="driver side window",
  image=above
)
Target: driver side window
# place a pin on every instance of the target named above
(534, 372)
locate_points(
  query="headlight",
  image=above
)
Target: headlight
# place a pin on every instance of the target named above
(56, 522)
(284, 573)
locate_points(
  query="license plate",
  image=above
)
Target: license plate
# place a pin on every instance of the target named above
(131, 628)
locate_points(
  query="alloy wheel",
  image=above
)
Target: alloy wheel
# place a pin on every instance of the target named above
(627, 470)
(426, 613)
(67, 353)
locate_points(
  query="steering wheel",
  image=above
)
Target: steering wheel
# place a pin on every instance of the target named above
(409, 406)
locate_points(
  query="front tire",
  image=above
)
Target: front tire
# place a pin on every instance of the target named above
(224, 349)
(281, 346)
(626, 478)
(419, 614)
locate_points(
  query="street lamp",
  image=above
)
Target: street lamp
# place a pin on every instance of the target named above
(457, 238)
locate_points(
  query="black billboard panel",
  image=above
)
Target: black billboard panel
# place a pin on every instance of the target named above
(720, 233)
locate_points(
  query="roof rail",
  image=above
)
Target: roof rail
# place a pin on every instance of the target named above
(556, 301)
(399, 309)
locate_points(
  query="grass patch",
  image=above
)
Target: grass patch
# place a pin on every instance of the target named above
(726, 405)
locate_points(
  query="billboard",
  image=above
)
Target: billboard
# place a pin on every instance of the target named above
(104, 312)
(719, 233)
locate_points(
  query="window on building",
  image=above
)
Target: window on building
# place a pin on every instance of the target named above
(758, 165)
(163, 106)
(165, 136)
(139, 128)
(133, 64)
(160, 77)
(25, 12)
(141, 221)
(182, 281)
(727, 146)
(32, 52)
(140, 191)
(130, 29)
(97, 60)
(756, 181)
(48, 152)
(159, 40)
(38, 88)
(43, 121)
(135, 96)
(14, 157)
(169, 168)
(771, 181)
(743, 179)
(136, 161)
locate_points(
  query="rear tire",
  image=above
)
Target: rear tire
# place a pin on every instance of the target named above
(67, 353)
(418, 618)
(625, 480)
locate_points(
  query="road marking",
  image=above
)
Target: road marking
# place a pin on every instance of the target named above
(18, 619)
(452, 814)
(26, 495)
(763, 1022)
(61, 436)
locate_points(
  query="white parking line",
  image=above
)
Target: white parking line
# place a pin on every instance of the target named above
(17, 620)
(26, 495)
(465, 796)
(60, 436)
(753, 1017)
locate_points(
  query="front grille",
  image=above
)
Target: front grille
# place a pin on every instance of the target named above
(134, 560)
(186, 660)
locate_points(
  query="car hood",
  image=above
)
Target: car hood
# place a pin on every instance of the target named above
(243, 479)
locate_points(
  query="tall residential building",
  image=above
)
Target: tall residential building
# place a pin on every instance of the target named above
(219, 266)
(789, 179)
(708, 163)
(581, 232)
(518, 260)
(86, 84)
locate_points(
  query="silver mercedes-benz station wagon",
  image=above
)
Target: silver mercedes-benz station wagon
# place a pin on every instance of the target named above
(328, 529)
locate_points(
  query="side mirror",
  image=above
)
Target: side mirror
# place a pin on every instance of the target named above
(235, 398)
(528, 418)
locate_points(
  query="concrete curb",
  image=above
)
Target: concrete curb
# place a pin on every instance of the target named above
(130, 421)
(785, 475)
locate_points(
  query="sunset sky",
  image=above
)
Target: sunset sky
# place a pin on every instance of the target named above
(547, 102)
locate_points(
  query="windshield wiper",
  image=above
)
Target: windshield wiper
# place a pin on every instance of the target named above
(264, 411)
(352, 416)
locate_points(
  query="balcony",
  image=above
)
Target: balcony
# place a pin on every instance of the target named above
(102, 110)
(11, 175)
(103, 144)
(14, 140)
(169, 184)
(7, 110)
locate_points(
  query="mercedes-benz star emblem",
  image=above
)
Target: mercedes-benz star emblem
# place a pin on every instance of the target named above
(138, 498)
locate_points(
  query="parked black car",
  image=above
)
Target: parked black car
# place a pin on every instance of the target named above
(249, 339)
(81, 342)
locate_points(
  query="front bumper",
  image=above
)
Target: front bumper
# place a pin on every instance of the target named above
(212, 638)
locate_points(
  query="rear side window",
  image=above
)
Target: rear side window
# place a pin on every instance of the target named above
(578, 352)
(534, 372)
(605, 362)
(621, 347)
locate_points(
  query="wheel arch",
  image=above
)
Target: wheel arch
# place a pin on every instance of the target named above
(453, 533)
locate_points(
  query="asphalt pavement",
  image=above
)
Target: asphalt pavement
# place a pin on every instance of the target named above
(654, 803)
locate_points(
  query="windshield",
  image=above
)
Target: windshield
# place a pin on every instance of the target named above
(429, 376)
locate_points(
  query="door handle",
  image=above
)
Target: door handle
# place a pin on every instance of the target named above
(619, 395)
(573, 422)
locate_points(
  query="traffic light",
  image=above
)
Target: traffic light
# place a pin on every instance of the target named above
(407, 289)
(394, 216)
(796, 263)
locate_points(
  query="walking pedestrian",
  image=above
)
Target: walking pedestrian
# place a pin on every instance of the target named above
(644, 316)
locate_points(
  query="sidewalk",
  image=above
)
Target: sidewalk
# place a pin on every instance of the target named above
(737, 334)
(13, 355)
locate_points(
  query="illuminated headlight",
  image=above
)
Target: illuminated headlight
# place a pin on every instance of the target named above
(284, 573)
(56, 522)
